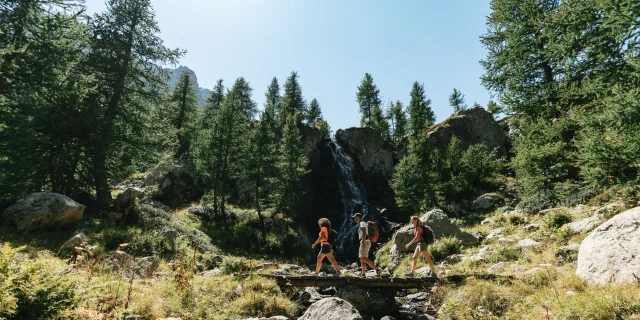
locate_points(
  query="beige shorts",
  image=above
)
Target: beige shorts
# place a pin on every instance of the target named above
(363, 250)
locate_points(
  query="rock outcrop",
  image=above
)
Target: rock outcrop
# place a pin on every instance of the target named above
(486, 202)
(367, 302)
(176, 180)
(331, 309)
(371, 150)
(125, 201)
(585, 225)
(44, 211)
(611, 252)
(470, 126)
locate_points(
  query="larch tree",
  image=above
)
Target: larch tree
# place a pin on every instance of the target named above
(398, 119)
(420, 114)
(456, 100)
(368, 96)
(292, 101)
(213, 103)
(314, 113)
(183, 112)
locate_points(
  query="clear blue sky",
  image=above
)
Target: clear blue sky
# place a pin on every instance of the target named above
(331, 44)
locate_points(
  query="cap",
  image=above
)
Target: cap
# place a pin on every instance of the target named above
(359, 215)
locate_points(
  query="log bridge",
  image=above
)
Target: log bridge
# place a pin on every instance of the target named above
(398, 283)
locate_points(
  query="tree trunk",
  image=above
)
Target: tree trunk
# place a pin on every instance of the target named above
(101, 181)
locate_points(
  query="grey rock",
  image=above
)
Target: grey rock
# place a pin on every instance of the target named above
(504, 240)
(314, 296)
(331, 309)
(290, 269)
(528, 244)
(388, 318)
(585, 225)
(495, 233)
(272, 318)
(369, 148)
(611, 208)
(611, 253)
(455, 258)
(480, 256)
(442, 227)
(202, 212)
(486, 221)
(367, 302)
(573, 247)
(171, 236)
(531, 227)
(486, 201)
(497, 267)
(212, 273)
(125, 201)
(418, 297)
(121, 262)
(76, 241)
(43, 211)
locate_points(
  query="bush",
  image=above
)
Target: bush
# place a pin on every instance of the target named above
(444, 248)
(231, 265)
(8, 300)
(516, 219)
(557, 218)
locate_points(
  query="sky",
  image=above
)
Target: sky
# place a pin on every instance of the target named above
(332, 44)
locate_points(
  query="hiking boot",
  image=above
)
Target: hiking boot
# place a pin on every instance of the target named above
(337, 274)
(409, 274)
(362, 275)
(314, 274)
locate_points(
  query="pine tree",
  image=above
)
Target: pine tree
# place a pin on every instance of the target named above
(456, 100)
(368, 97)
(214, 101)
(493, 108)
(183, 112)
(262, 156)
(125, 49)
(414, 179)
(292, 101)
(273, 98)
(398, 119)
(379, 121)
(314, 113)
(291, 165)
(420, 114)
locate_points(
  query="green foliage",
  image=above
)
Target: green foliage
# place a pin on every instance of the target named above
(292, 101)
(214, 102)
(314, 113)
(8, 301)
(456, 100)
(325, 129)
(493, 108)
(291, 165)
(233, 265)
(398, 121)
(557, 218)
(426, 178)
(368, 97)
(478, 300)
(445, 247)
(183, 112)
(379, 122)
(420, 114)
(516, 219)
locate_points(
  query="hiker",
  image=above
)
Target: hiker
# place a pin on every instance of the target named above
(421, 247)
(365, 246)
(325, 248)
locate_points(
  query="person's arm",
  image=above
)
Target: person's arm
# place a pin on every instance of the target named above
(415, 239)
(365, 236)
(317, 241)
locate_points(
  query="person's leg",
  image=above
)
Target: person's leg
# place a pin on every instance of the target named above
(427, 256)
(416, 256)
(333, 261)
(319, 261)
(363, 266)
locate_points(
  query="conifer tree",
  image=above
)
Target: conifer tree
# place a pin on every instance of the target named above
(183, 112)
(379, 121)
(263, 150)
(456, 100)
(420, 114)
(493, 108)
(314, 113)
(398, 119)
(214, 101)
(273, 98)
(292, 101)
(125, 49)
(368, 97)
(291, 165)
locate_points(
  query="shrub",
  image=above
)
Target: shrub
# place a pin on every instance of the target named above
(444, 248)
(516, 219)
(8, 300)
(557, 218)
(231, 265)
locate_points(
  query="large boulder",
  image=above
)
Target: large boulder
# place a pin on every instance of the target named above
(367, 302)
(44, 210)
(331, 309)
(442, 227)
(129, 266)
(125, 201)
(176, 180)
(486, 202)
(371, 150)
(585, 225)
(470, 126)
(611, 253)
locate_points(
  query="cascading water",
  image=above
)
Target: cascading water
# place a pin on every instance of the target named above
(352, 195)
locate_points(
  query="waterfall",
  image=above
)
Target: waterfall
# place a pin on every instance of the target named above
(351, 193)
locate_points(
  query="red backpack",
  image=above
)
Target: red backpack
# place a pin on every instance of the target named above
(372, 231)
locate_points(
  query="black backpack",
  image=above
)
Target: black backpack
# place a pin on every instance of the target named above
(428, 235)
(333, 237)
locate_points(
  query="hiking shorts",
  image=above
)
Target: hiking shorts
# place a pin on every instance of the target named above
(421, 246)
(363, 250)
(325, 249)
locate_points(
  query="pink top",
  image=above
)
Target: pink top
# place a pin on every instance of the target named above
(419, 233)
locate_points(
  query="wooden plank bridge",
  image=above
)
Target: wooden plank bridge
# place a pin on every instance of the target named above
(398, 283)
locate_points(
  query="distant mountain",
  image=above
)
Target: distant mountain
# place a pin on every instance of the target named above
(203, 93)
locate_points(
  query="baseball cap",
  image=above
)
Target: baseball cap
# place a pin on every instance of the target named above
(359, 215)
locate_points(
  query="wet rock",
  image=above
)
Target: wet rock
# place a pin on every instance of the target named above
(367, 302)
(44, 211)
(611, 252)
(331, 309)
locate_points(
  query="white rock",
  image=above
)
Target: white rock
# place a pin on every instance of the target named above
(528, 244)
(585, 225)
(497, 267)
